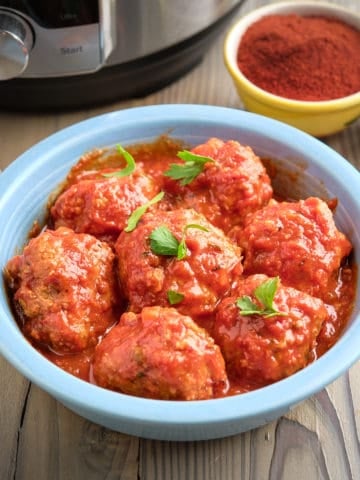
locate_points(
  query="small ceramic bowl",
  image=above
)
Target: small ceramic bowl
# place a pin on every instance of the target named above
(305, 166)
(319, 118)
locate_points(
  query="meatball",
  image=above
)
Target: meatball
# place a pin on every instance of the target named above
(101, 206)
(261, 349)
(161, 354)
(229, 188)
(297, 241)
(64, 288)
(211, 265)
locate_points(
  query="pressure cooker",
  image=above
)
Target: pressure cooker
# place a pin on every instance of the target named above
(75, 53)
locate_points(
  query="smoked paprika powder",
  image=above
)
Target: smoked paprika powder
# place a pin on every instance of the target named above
(310, 58)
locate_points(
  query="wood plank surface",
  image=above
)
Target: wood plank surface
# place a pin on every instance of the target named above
(40, 439)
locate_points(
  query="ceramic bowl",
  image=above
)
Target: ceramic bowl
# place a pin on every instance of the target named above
(317, 118)
(315, 169)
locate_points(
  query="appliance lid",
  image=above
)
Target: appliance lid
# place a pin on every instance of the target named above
(146, 27)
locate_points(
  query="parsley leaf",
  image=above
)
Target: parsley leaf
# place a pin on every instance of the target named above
(194, 165)
(130, 164)
(139, 212)
(163, 242)
(175, 297)
(182, 245)
(247, 306)
(265, 294)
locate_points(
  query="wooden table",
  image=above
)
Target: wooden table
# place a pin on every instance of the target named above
(40, 439)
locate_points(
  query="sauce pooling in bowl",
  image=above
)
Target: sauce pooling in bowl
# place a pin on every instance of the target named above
(182, 277)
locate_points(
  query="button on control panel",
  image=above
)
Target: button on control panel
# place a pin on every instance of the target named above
(16, 41)
(65, 51)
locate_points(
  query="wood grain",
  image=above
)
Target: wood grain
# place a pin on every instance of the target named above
(41, 439)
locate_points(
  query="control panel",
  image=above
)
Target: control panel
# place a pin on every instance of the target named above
(57, 38)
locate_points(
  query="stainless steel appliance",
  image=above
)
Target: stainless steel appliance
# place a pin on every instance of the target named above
(72, 53)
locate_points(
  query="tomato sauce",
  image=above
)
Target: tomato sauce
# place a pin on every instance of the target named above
(222, 207)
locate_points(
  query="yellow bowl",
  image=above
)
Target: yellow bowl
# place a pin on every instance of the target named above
(317, 118)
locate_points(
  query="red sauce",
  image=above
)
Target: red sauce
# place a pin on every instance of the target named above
(209, 280)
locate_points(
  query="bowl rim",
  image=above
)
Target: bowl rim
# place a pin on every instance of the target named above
(233, 37)
(161, 413)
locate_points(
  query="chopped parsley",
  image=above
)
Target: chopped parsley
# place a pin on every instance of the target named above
(130, 164)
(139, 212)
(175, 297)
(193, 166)
(163, 242)
(265, 294)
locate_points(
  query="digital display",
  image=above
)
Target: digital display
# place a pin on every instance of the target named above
(57, 13)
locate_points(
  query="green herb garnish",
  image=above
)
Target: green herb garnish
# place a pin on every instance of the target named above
(175, 297)
(139, 212)
(182, 245)
(130, 164)
(265, 294)
(194, 165)
(163, 242)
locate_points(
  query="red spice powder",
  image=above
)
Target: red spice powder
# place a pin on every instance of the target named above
(302, 58)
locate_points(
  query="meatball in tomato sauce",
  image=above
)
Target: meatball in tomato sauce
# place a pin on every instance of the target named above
(234, 184)
(64, 289)
(259, 348)
(101, 206)
(211, 264)
(159, 353)
(298, 241)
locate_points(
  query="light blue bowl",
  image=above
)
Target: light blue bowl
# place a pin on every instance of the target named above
(25, 186)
